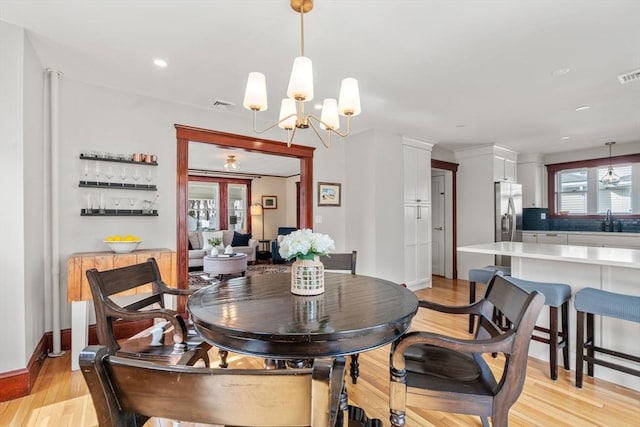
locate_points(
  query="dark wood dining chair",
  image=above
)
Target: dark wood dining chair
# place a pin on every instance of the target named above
(436, 372)
(128, 392)
(166, 341)
(344, 262)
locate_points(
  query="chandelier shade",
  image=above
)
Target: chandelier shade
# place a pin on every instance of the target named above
(349, 101)
(255, 95)
(288, 116)
(329, 119)
(301, 80)
(300, 90)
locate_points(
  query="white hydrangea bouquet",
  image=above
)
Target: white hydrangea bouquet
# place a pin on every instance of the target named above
(305, 244)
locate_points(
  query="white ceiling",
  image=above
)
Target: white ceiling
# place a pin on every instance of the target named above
(456, 72)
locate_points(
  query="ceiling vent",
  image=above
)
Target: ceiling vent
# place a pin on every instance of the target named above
(632, 76)
(220, 104)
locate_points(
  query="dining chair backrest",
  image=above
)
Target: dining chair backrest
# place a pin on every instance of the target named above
(340, 261)
(128, 392)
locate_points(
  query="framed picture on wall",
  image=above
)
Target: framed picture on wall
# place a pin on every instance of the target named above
(328, 194)
(269, 202)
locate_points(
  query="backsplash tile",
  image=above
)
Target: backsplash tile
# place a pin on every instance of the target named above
(535, 219)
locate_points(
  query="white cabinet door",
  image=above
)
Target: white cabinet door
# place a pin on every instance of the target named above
(504, 169)
(417, 245)
(529, 238)
(554, 238)
(417, 175)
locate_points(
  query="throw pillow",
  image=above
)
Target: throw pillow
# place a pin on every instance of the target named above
(240, 239)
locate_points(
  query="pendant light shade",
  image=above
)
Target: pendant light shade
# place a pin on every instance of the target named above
(610, 179)
(255, 95)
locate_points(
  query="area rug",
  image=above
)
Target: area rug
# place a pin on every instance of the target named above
(198, 279)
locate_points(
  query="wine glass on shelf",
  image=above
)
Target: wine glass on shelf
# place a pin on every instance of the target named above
(89, 208)
(109, 175)
(136, 176)
(123, 175)
(98, 172)
(148, 177)
(116, 202)
(85, 171)
(132, 203)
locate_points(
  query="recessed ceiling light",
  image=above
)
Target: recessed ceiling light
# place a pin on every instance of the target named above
(160, 62)
(318, 106)
(561, 72)
(460, 126)
(564, 138)
(582, 108)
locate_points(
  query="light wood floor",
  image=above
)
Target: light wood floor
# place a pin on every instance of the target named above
(60, 396)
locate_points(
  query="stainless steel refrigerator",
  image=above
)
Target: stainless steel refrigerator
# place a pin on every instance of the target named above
(508, 216)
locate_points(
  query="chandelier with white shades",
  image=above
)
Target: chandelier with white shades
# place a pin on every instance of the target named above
(300, 90)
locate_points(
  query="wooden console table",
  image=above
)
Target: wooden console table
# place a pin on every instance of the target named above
(79, 292)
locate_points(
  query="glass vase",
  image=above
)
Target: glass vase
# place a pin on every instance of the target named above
(307, 276)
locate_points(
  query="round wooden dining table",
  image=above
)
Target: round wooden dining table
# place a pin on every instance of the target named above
(259, 316)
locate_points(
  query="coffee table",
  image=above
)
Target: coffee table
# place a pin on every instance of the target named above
(221, 265)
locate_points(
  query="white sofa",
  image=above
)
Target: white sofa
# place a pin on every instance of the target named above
(200, 246)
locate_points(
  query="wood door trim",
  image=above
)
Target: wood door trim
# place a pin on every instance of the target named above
(185, 134)
(453, 168)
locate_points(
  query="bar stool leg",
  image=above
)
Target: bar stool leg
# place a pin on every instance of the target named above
(591, 341)
(553, 342)
(580, 348)
(565, 334)
(472, 299)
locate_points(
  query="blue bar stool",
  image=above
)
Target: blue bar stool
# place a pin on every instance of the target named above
(556, 295)
(590, 302)
(483, 275)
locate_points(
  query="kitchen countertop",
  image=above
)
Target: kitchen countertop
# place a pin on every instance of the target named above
(616, 257)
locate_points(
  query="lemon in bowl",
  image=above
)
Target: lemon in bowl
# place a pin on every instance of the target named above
(122, 244)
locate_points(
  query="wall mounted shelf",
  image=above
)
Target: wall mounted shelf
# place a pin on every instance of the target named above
(105, 159)
(119, 212)
(118, 186)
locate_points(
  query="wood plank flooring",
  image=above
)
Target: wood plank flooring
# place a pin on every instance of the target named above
(60, 397)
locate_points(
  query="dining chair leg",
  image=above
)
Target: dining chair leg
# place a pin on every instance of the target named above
(223, 354)
(472, 299)
(354, 368)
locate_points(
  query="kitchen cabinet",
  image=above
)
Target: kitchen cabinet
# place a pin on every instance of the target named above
(550, 238)
(417, 246)
(417, 174)
(608, 240)
(580, 238)
(504, 169)
(417, 214)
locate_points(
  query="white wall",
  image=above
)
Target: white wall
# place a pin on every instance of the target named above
(374, 224)
(34, 215)
(273, 218)
(475, 197)
(12, 253)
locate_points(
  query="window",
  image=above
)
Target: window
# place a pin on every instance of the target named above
(572, 191)
(576, 189)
